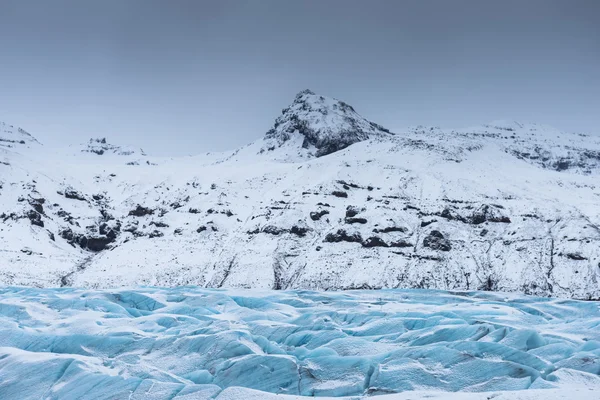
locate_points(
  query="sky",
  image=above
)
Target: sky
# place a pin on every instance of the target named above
(189, 76)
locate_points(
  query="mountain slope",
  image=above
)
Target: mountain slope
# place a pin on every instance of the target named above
(504, 207)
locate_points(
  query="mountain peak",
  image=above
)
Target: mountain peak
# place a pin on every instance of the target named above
(100, 146)
(324, 123)
(11, 136)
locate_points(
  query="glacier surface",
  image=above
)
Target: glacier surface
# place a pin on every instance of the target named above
(193, 343)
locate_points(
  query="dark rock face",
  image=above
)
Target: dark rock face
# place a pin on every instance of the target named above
(576, 256)
(201, 229)
(140, 211)
(328, 125)
(35, 218)
(71, 193)
(273, 230)
(342, 236)
(390, 229)
(374, 241)
(339, 193)
(451, 215)
(487, 213)
(436, 241)
(110, 232)
(316, 215)
(352, 211)
(400, 243)
(159, 224)
(355, 220)
(93, 243)
(155, 234)
(98, 243)
(299, 230)
(37, 204)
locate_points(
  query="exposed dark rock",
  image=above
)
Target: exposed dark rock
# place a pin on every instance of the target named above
(425, 223)
(194, 211)
(27, 251)
(201, 229)
(155, 233)
(159, 224)
(436, 241)
(131, 228)
(140, 211)
(110, 231)
(348, 184)
(178, 231)
(71, 193)
(374, 241)
(38, 207)
(35, 218)
(51, 236)
(483, 232)
(450, 215)
(575, 256)
(355, 220)
(390, 229)
(299, 230)
(253, 232)
(98, 243)
(316, 215)
(562, 164)
(487, 213)
(339, 193)
(273, 230)
(352, 211)
(92, 243)
(400, 243)
(323, 204)
(342, 236)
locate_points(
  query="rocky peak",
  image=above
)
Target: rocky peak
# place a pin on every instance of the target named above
(12, 136)
(100, 147)
(325, 124)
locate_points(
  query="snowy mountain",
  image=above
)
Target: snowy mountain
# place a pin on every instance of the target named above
(325, 200)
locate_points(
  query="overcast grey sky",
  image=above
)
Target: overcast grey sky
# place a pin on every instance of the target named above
(184, 76)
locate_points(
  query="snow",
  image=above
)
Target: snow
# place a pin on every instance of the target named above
(193, 343)
(244, 219)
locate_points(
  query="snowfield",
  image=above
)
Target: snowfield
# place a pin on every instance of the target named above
(325, 199)
(194, 343)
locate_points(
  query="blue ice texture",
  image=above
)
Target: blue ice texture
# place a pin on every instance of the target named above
(192, 343)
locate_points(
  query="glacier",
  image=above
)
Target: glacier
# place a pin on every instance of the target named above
(197, 343)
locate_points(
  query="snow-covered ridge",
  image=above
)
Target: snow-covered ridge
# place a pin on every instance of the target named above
(12, 136)
(504, 207)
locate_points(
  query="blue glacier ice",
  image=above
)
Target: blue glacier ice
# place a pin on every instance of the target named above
(193, 343)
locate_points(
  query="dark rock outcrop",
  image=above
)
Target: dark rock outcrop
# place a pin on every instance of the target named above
(140, 211)
(342, 236)
(316, 215)
(436, 241)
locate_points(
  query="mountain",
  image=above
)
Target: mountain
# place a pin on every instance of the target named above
(325, 200)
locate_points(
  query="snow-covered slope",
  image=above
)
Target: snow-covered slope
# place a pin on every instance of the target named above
(330, 202)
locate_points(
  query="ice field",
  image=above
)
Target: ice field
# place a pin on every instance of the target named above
(191, 343)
